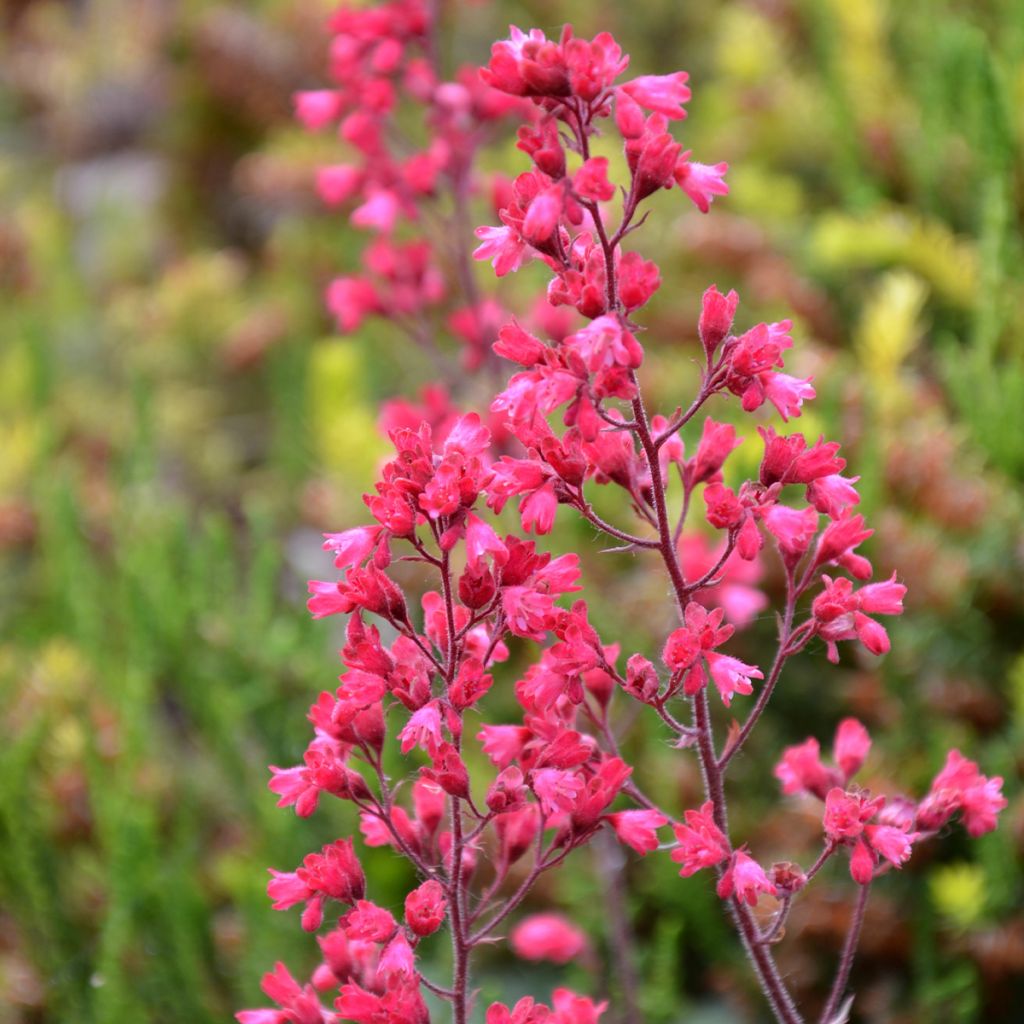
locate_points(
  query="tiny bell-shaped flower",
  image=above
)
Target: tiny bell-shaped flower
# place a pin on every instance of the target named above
(744, 880)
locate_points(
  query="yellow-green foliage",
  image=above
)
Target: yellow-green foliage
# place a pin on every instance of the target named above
(958, 892)
(894, 237)
(864, 59)
(890, 327)
(343, 428)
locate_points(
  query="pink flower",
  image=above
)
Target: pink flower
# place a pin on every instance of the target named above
(639, 279)
(351, 547)
(840, 537)
(786, 393)
(337, 184)
(380, 211)
(318, 108)
(731, 675)
(884, 598)
(862, 863)
(503, 247)
(503, 744)
(397, 961)
(664, 94)
(375, 831)
(334, 873)
(892, 843)
(543, 214)
(448, 771)
(556, 790)
(716, 317)
(638, 829)
(299, 1005)
(593, 64)
(702, 631)
(846, 813)
(324, 771)
(629, 118)
(527, 612)
(981, 805)
(350, 300)
(701, 842)
(526, 1011)
(794, 530)
(961, 787)
(604, 344)
(470, 685)
(832, 494)
(591, 180)
(425, 908)
(423, 730)
(837, 614)
(547, 937)
(788, 460)
(800, 770)
(286, 889)
(527, 65)
(368, 921)
(518, 345)
(701, 182)
(401, 1001)
(573, 1009)
(717, 441)
(599, 791)
(871, 634)
(851, 747)
(507, 792)
(537, 510)
(481, 540)
(543, 144)
(652, 157)
(517, 830)
(569, 1008)
(744, 879)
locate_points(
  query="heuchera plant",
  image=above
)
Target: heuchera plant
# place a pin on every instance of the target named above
(419, 678)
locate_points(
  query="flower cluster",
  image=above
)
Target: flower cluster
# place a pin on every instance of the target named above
(885, 827)
(383, 64)
(419, 668)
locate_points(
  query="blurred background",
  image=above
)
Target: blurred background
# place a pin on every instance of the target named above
(178, 424)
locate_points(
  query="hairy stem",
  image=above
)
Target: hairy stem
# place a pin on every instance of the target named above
(846, 957)
(771, 982)
(781, 655)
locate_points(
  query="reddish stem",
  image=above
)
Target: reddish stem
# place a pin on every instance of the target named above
(847, 956)
(763, 962)
(781, 656)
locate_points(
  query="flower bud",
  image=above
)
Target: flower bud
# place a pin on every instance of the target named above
(476, 586)
(641, 679)
(787, 877)
(425, 908)
(507, 792)
(716, 316)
